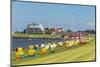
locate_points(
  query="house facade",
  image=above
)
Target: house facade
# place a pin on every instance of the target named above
(35, 29)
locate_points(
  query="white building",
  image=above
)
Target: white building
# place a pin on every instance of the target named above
(35, 29)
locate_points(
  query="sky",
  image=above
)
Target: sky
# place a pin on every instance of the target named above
(75, 17)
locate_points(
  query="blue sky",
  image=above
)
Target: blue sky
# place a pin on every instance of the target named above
(53, 15)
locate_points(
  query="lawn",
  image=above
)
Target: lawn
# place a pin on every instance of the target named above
(80, 53)
(34, 35)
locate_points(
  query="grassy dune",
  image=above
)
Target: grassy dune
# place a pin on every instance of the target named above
(34, 35)
(75, 54)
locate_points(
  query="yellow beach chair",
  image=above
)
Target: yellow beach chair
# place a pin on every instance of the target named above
(67, 44)
(31, 52)
(43, 51)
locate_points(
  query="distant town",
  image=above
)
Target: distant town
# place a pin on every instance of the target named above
(36, 30)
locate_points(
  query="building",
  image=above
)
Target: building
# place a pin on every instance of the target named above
(35, 29)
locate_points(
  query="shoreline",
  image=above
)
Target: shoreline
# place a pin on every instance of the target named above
(39, 38)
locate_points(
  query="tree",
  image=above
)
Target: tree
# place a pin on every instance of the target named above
(49, 31)
(69, 30)
(90, 31)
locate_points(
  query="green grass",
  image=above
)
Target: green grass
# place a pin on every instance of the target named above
(34, 35)
(75, 54)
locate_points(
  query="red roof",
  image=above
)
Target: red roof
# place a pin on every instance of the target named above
(70, 35)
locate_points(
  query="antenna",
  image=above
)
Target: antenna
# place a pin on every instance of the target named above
(72, 18)
(49, 25)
